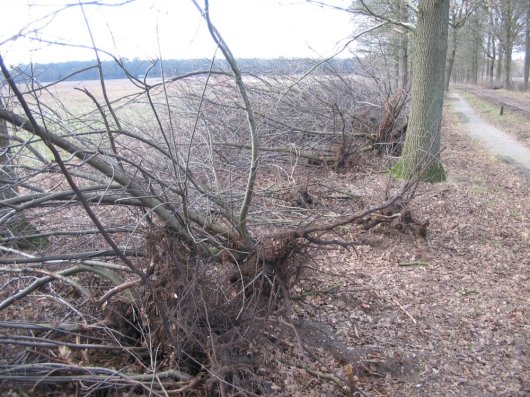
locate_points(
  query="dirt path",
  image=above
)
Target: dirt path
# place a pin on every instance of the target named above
(520, 104)
(494, 139)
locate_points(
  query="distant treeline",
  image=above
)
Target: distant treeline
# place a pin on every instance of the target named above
(87, 70)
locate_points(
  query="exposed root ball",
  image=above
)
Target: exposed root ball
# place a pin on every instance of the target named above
(302, 199)
(274, 249)
(396, 218)
(211, 325)
(274, 255)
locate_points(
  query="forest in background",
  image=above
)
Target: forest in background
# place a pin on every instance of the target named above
(138, 68)
(488, 40)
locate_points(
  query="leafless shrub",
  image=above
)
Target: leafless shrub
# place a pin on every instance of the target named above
(165, 174)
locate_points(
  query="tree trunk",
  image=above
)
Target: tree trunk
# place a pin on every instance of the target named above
(403, 49)
(476, 46)
(488, 57)
(491, 69)
(421, 151)
(498, 75)
(452, 54)
(510, 17)
(403, 62)
(474, 64)
(508, 63)
(527, 47)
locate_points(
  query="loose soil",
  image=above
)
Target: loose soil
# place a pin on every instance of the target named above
(448, 315)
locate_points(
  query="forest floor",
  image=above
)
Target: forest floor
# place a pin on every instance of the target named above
(445, 315)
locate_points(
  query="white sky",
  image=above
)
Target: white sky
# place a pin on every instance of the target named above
(252, 28)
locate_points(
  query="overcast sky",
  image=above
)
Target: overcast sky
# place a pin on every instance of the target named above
(252, 28)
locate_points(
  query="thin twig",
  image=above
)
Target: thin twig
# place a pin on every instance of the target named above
(116, 290)
(14, 251)
(404, 311)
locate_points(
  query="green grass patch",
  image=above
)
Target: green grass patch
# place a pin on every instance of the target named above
(434, 174)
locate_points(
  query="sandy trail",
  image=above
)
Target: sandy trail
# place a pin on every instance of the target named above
(495, 140)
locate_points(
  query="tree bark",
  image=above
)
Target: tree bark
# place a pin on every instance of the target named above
(527, 47)
(421, 152)
(508, 63)
(474, 65)
(491, 58)
(508, 35)
(452, 54)
(477, 44)
(403, 48)
(498, 74)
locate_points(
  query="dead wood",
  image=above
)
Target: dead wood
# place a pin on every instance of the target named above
(398, 219)
(270, 255)
(390, 133)
(302, 199)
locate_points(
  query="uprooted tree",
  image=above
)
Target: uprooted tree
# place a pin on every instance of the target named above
(146, 208)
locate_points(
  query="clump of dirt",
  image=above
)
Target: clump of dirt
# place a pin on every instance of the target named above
(212, 321)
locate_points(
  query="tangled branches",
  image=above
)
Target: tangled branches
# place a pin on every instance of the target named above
(137, 232)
